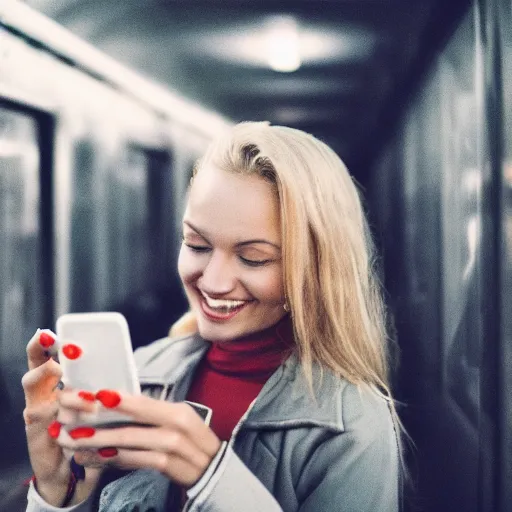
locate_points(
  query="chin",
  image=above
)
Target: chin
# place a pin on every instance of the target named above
(221, 333)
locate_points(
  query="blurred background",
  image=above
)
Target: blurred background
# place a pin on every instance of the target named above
(105, 106)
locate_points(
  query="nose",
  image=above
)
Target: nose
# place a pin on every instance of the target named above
(219, 276)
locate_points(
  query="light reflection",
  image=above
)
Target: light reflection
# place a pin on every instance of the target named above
(507, 173)
(472, 181)
(473, 241)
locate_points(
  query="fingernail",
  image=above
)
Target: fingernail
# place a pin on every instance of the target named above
(81, 432)
(46, 340)
(54, 429)
(87, 396)
(108, 398)
(71, 351)
(107, 452)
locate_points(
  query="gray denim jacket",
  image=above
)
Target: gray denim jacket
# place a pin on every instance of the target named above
(289, 452)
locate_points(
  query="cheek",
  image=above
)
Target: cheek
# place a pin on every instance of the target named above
(268, 287)
(189, 267)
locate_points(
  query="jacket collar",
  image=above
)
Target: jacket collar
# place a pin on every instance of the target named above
(284, 402)
(287, 401)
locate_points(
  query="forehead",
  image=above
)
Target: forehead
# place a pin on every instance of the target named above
(233, 205)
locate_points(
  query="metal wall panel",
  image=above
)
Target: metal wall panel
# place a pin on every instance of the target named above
(504, 19)
(22, 295)
(463, 279)
(442, 273)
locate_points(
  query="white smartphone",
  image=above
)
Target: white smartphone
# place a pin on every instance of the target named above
(95, 352)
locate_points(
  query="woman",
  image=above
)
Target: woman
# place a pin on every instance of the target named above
(288, 351)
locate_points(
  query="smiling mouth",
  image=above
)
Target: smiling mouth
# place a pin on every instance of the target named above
(222, 312)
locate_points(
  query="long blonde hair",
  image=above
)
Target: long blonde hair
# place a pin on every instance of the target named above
(330, 282)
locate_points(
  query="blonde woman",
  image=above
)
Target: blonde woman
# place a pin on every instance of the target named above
(285, 343)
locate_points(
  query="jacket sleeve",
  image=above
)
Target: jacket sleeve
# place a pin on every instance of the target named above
(233, 487)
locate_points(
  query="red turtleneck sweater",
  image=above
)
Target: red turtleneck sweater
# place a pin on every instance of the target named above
(232, 373)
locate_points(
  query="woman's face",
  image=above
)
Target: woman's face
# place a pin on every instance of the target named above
(230, 259)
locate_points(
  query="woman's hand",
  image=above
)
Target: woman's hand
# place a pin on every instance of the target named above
(50, 467)
(49, 464)
(176, 441)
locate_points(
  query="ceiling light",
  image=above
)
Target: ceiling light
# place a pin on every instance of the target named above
(282, 45)
(280, 38)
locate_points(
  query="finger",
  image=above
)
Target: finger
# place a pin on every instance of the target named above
(78, 400)
(76, 406)
(176, 416)
(41, 414)
(143, 438)
(40, 382)
(48, 371)
(38, 354)
(38, 427)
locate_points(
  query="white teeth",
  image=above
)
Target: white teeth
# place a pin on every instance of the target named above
(217, 303)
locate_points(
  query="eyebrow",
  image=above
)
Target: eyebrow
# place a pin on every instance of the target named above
(239, 244)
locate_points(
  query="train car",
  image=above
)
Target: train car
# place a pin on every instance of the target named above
(94, 162)
(94, 166)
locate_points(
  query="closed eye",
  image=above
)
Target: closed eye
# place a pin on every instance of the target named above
(197, 248)
(254, 263)
(245, 261)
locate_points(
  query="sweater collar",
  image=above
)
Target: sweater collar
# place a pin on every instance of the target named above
(255, 356)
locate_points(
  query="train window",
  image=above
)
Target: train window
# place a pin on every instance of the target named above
(22, 298)
(84, 244)
(161, 240)
(127, 220)
(142, 247)
(122, 224)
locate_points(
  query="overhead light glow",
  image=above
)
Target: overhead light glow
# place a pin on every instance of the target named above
(282, 45)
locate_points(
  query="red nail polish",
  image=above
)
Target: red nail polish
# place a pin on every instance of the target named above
(87, 396)
(46, 340)
(81, 432)
(71, 351)
(108, 398)
(54, 429)
(107, 452)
